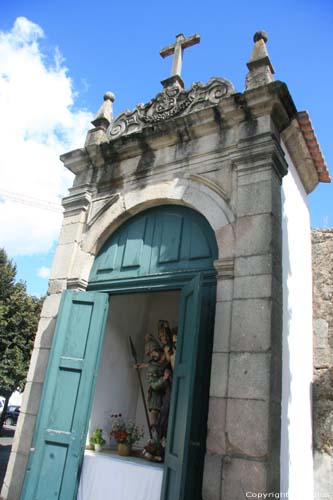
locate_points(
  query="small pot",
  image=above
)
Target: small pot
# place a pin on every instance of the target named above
(98, 447)
(124, 450)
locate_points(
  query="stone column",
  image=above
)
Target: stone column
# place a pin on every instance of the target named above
(243, 445)
(216, 436)
(254, 382)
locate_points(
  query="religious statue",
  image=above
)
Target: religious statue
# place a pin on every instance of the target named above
(159, 375)
(161, 358)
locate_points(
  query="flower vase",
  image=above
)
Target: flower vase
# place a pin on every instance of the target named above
(124, 450)
(98, 447)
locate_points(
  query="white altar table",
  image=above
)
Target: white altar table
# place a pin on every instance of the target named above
(107, 476)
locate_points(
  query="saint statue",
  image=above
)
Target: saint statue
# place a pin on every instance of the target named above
(159, 375)
(161, 360)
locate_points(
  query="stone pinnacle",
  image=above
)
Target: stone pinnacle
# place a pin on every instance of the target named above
(103, 117)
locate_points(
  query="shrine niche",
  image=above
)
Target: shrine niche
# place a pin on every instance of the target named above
(118, 388)
(118, 395)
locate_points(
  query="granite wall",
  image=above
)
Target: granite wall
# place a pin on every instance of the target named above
(322, 262)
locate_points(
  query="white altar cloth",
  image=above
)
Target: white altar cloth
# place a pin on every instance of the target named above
(106, 476)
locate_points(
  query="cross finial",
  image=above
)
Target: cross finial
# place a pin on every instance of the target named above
(177, 49)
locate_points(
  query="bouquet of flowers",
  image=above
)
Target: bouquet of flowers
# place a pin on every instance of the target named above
(125, 431)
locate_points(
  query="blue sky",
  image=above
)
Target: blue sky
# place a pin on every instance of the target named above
(56, 65)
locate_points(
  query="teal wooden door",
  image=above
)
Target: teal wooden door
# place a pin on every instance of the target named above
(185, 446)
(61, 427)
(165, 239)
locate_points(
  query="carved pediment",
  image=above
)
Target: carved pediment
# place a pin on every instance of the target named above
(173, 101)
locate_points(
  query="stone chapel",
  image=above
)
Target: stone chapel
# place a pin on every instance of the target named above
(192, 208)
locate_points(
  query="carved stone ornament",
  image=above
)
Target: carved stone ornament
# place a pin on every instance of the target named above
(171, 102)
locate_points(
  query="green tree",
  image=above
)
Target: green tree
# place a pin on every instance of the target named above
(19, 315)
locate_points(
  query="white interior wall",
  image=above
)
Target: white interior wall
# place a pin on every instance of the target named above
(117, 388)
(296, 431)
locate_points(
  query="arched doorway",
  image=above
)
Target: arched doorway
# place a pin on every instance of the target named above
(166, 248)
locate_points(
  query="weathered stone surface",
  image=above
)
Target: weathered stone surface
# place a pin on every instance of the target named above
(23, 445)
(322, 354)
(251, 325)
(299, 152)
(219, 375)
(247, 427)
(322, 410)
(254, 264)
(209, 206)
(78, 218)
(254, 170)
(259, 198)
(257, 234)
(45, 333)
(320, 328)
(211, 489)
(322, 396)
(322, 264)
(249, 375)
(31, 397)
(56, 286)
(38, 365)
(216, 426)
(257, 286)
(322, 256)
(82, 265)
(63, 260)
(226, 241)
(323, 471)
(13, 481)
(222, 326)
(51, 306)
(166, 190)
(242, 477)
(224, 290)
(70, 233)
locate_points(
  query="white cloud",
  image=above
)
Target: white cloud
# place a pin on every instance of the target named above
(38, 123)
(43, 272)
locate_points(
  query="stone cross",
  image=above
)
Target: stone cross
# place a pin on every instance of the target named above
(177, 49)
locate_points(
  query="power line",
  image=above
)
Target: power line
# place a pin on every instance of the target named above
(29, 200)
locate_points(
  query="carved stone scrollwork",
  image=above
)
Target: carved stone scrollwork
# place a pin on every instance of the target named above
(171, 102)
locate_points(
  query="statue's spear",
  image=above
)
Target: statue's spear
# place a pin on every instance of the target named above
(135, 357)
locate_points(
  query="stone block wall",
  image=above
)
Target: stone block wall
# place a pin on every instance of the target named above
(322, 263)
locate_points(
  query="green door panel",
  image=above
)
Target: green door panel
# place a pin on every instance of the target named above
(185, 446)
(163, 239)
(60, 434)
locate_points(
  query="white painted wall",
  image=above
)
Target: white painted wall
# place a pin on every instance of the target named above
(117, 388)
(296, 434)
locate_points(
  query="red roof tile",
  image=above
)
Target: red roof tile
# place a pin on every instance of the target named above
(313, 146)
